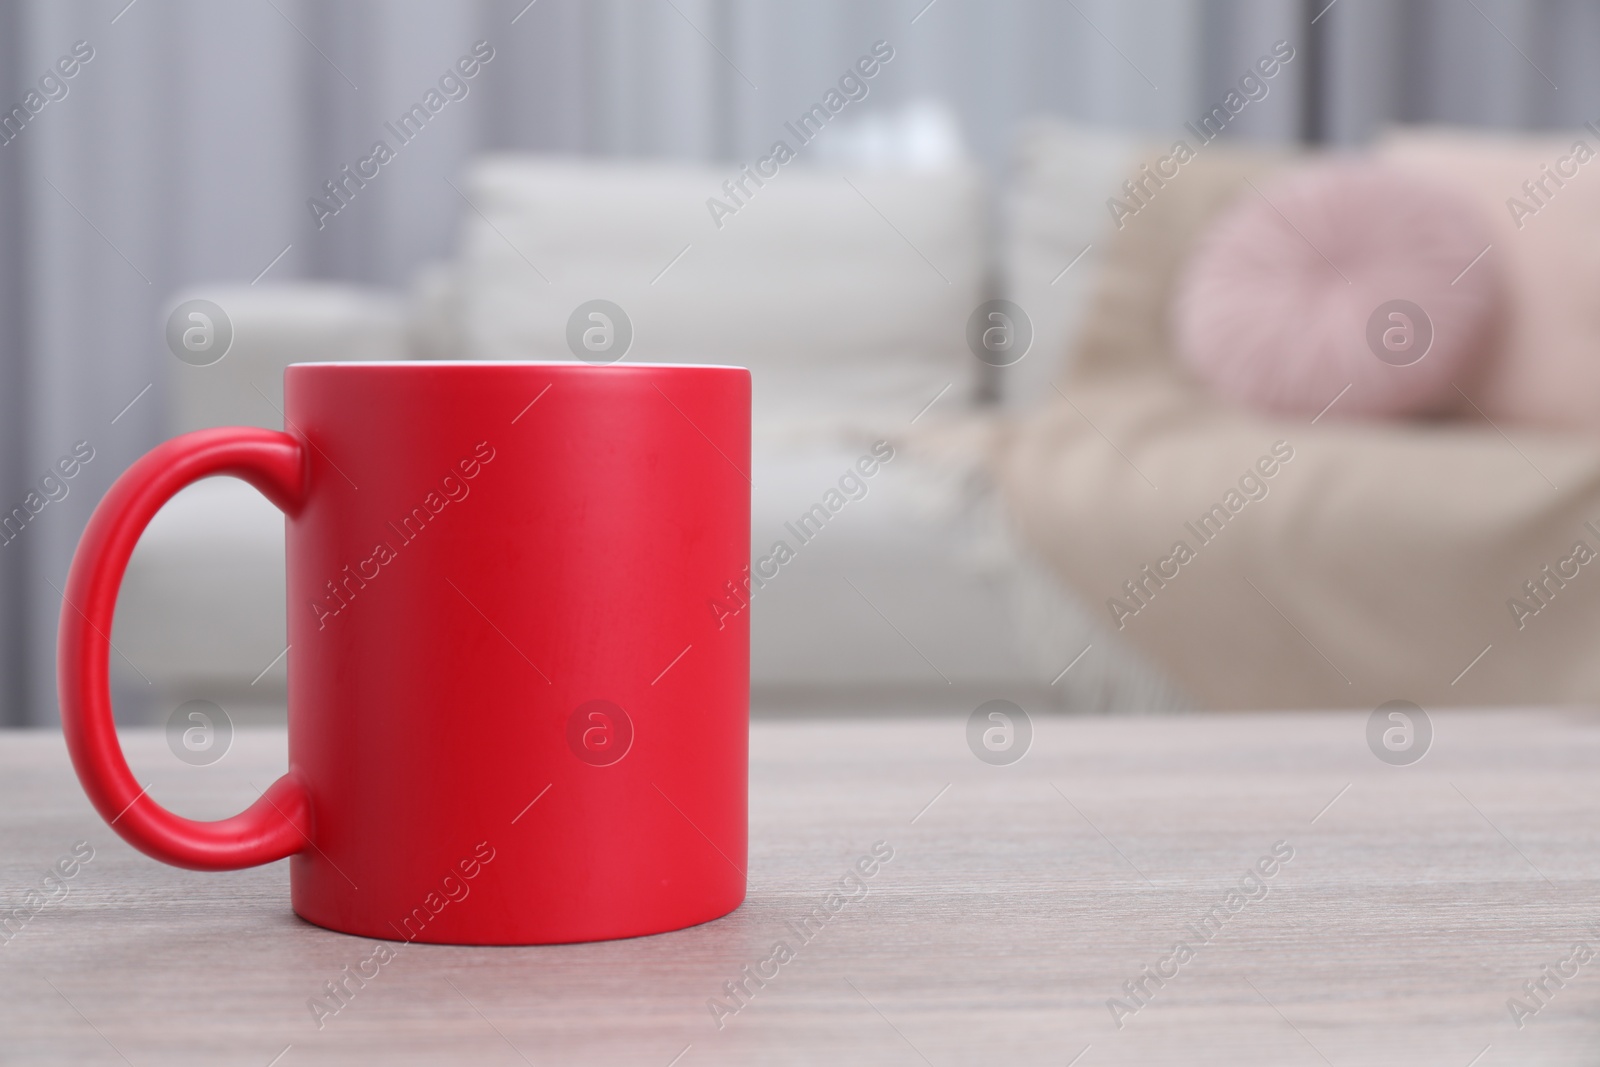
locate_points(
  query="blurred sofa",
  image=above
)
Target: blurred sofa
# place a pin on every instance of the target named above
(1022, 500)
(846, 290)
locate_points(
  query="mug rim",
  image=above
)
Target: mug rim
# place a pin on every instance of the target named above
(546, 363)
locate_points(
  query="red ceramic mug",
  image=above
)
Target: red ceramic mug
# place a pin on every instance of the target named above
(514, 717)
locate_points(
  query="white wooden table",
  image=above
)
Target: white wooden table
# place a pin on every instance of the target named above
(1019, 900)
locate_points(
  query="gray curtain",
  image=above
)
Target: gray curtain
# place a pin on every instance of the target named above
(186, 149)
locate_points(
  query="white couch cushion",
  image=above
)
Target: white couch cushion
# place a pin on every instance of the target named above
(917, 586)
(1057, 218)
(201, 611)
(838, 289)
(274, 326)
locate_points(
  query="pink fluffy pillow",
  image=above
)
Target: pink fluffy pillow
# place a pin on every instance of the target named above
(1340, 273)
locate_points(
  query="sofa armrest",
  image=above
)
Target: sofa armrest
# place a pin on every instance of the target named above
(273, 326)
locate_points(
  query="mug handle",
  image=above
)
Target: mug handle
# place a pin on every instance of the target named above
(278, 824)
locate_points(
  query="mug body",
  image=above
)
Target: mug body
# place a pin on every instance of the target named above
(517, 710)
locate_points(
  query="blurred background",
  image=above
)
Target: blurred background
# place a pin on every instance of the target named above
(203, 151)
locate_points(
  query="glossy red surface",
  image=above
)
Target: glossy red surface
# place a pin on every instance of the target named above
(514, 715)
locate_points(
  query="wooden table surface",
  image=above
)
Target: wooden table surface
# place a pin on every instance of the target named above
(1019, 900)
